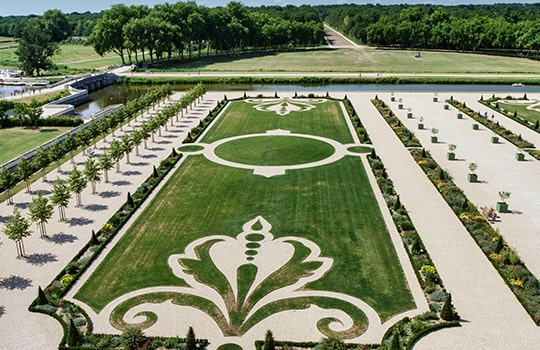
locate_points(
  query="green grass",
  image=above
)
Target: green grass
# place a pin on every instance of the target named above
(367, 59)
(532, 115)
(72, 56)
(274, 150)
(331, 205)
(16, 141)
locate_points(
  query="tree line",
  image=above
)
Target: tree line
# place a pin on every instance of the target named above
(503, 28)
(41, 208)
(183, 28)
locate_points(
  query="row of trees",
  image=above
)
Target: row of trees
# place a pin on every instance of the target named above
(187, 27)
(504, 28)
(41, 207)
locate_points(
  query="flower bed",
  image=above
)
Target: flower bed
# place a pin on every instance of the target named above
(505, 259)
(404, 134)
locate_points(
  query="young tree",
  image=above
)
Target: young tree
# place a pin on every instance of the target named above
(137, 137)
(20, 113)
(191, 343)
(105, 163)
(41, 161)
(77, 183)
(24, 171)
(7, 181)
(268, 341)
(60, 197)
(69, 145)
(41, 210)
(117, 152)
(56, 153)
(127, 146)
(16, 228)
(91, 173)
(34, 112)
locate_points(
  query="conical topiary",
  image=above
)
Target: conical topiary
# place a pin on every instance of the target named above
(42, 298)
(447, 312)
(268, 341)
(191, 343)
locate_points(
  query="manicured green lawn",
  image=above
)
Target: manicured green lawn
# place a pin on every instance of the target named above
(16, 141)
(331, 205)
(531, 115)
(274, 150)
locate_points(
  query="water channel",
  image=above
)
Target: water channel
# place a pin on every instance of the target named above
(122, 93)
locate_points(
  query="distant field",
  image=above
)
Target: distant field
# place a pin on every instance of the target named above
(16, 141)
(72, 56)
(367, 60)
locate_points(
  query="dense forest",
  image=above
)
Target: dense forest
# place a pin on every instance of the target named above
(185, 27)
(503, 28)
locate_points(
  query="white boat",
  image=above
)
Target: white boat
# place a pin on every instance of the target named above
(518, 85)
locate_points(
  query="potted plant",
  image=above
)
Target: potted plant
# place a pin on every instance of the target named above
(475, 126)
(446, 106)
(400, 105)
(460, 115)
(409, 113)
(451, 155)
(494, 139)
(392, 97)
(435, 98)
(421, 123)
(434, 138)
(473, 177)
(502, 206)
(520, 156)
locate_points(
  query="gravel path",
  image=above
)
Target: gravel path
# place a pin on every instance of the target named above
(493, 318)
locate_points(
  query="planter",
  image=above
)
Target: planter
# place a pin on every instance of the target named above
(409, 115)
(434, 139)
(435, 99)
(494, 139)
(475, 126)
(400, 106)
(473, 178)
(446, 107)
(451, 156)
(393, 99)
(502, 207)
(420, 126)
(520, 156)
(460, 116)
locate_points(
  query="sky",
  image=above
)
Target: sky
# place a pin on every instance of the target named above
(26, 7)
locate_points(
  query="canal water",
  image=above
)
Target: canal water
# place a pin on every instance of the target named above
(121, 93)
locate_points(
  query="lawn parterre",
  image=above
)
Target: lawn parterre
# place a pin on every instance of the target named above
(314, 235)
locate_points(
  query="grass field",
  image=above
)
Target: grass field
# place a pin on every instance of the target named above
(531, 115)
(16, 141)
(331, 205)
(72, 56)
(366, 60)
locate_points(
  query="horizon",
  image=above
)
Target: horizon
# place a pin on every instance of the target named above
(38, 7)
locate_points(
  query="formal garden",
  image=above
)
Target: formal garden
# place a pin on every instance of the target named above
(270, 213)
